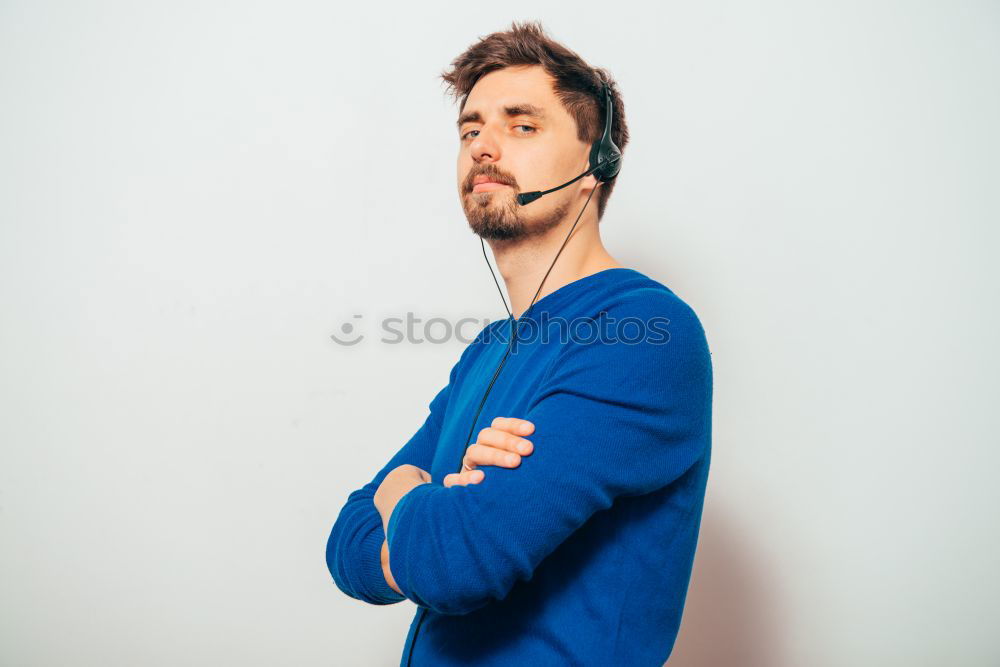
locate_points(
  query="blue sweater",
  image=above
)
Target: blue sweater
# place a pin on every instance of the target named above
(582, 554)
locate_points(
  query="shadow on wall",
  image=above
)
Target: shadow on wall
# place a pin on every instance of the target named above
(731, 613)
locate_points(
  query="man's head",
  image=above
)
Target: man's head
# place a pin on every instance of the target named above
(530, 110)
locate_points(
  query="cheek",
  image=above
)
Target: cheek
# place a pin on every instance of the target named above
(533, 172)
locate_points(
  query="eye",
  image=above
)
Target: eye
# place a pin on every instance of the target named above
(533, 131)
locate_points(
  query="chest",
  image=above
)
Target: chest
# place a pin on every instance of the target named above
(511, 395)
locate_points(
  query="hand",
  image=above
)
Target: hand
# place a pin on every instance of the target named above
(496, 443)
(400, 481)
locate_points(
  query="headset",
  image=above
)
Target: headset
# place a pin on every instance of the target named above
(605, 163)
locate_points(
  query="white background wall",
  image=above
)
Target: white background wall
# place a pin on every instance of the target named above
(195, 195)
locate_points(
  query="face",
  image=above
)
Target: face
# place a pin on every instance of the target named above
(516, 133)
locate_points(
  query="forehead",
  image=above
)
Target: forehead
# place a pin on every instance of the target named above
(512, 86)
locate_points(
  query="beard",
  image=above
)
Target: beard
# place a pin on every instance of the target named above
(496, 216)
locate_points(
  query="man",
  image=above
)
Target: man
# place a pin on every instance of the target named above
(578, 550)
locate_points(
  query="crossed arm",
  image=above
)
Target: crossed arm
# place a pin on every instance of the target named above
(501, 444)
(610, 420)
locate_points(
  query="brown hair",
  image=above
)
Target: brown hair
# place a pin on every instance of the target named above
(577, 84)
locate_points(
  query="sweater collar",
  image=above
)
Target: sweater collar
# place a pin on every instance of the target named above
(556, 298)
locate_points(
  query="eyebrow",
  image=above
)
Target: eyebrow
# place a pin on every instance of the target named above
(523, 109)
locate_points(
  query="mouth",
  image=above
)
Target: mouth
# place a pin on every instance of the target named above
(487, 186)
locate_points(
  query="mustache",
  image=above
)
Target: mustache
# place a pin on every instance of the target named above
(492, 174)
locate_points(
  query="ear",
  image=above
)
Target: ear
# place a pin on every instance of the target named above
(588, 182)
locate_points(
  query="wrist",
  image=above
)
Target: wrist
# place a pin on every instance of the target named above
(386, 572)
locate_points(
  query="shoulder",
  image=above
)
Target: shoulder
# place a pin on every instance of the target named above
(636, 345)
(647, 306)
(637, 332)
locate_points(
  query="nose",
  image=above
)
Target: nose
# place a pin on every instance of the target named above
(484, 147)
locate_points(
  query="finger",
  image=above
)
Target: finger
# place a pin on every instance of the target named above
(513, 425)
(495, 437)
(486, 455)
(469, 461)
(463, 478)
(472, 476)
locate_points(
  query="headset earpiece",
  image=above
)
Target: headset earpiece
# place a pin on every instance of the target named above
(604, 150)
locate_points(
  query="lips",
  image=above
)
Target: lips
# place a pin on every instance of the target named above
(486, 186)
(485, 183)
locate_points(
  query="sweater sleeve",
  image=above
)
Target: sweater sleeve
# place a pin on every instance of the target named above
(353, 549)
(610, 420)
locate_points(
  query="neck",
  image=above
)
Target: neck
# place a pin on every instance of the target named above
(524, 263)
